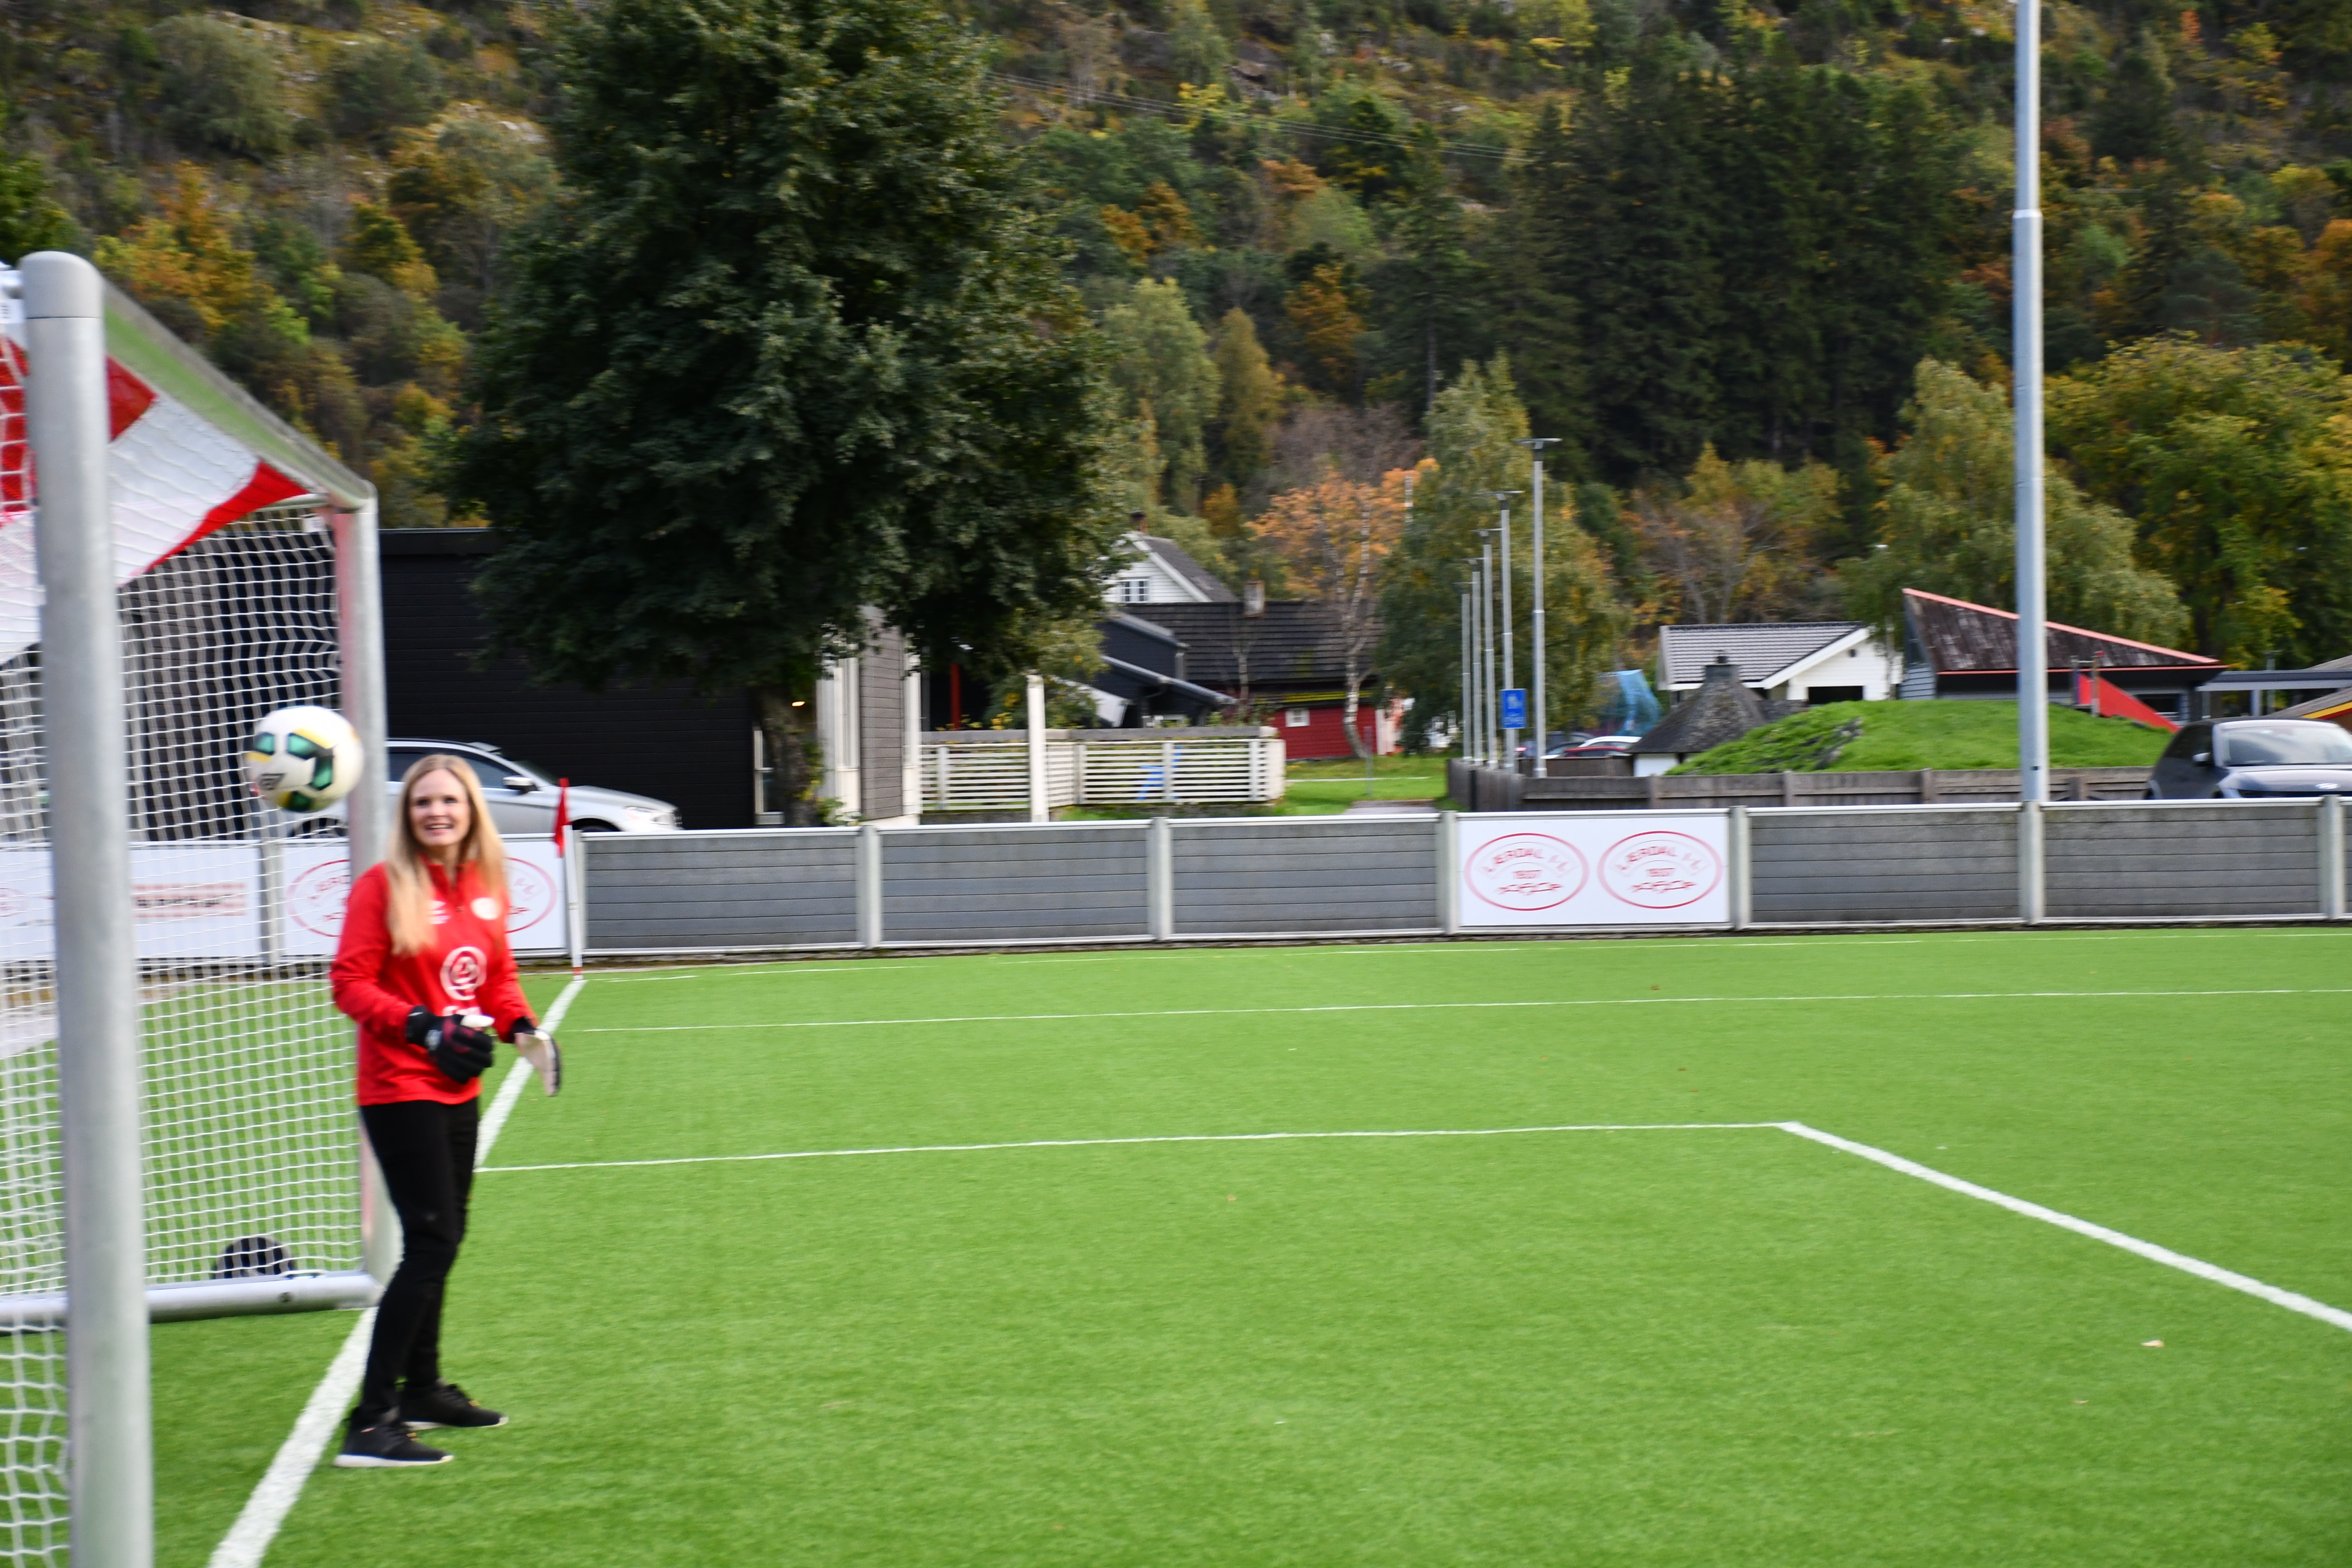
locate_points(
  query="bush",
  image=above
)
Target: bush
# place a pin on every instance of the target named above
(377, 86)
(221, 87)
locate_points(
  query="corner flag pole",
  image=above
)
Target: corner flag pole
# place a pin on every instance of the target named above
(112, 1473)
(2025, 361)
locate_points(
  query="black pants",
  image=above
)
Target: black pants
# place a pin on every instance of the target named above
(426, 1151)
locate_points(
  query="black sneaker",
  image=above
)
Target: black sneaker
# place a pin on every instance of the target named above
(446, 1405)
(384, 1447)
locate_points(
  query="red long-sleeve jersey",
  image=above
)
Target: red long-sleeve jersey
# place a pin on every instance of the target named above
(468, 968)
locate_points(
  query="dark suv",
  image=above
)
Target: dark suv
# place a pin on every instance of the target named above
(2253, 759)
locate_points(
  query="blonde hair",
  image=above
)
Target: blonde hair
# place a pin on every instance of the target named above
(408, 903)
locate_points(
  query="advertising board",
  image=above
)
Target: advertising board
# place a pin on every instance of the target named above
(1520, 869)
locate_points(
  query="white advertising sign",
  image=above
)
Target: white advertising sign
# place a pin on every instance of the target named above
(318, 880)
(206, 901)
(191, 900)
(1594, 869)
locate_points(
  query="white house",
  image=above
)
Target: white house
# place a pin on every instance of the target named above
(1164, 574)
(1804, 662)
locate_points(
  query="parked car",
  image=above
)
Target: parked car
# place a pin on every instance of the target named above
(2253, 759)
(522, 795)
(1596, 746)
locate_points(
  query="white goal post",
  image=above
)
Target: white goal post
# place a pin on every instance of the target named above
(177, 1136)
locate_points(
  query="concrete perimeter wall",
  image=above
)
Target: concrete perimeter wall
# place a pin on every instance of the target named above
(1180, 879)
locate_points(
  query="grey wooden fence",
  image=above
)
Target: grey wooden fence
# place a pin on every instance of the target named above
(1191, 879)
(1499, 789)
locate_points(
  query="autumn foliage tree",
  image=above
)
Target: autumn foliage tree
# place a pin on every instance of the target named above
(1336, 536)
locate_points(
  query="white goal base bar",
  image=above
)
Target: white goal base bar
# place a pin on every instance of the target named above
(211, 1299)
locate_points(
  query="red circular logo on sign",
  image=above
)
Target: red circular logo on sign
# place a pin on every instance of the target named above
(1661, 869)
(531, 894)
(315, 898)
(461, 972)
(1526, 872)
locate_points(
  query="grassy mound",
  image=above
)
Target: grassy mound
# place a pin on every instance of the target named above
(1851, 737)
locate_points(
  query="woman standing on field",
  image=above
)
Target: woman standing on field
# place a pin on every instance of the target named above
(425, 970)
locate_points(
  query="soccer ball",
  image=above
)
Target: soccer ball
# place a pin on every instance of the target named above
(303, 759)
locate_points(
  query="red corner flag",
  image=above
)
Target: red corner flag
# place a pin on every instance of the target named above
(562, 811)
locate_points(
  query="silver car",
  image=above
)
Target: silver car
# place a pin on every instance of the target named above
(522, 795)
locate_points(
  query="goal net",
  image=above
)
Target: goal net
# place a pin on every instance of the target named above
(228, 610)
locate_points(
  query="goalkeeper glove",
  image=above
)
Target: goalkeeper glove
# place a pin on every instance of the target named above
(461, 1051)
(520, 1027)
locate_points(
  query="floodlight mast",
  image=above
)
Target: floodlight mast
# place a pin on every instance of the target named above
(111, 1475)
(1462, 729)
(1491, 738)
(2025, 332)
(1510, 752)
(1536, 716)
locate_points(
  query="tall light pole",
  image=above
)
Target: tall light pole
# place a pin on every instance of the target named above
(1535, 712)
(2025, 363)
(1489, 737)
(1462, 730)
(1510, 736)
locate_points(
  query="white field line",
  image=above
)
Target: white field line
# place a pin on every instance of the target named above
(281, 1486)
(1171, 1138)
(2131, 1244)
(2245, 1284)
(1457, 1007)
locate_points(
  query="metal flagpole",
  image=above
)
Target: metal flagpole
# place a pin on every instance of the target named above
(1510, 737)
(113, 1477)
(1536, 712)
(2025, 327)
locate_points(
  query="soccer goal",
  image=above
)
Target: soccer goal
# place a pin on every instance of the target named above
(241, 564)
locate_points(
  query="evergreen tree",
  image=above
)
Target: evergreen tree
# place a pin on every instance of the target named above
(1428, 292)
(790, 347)
(2134, 122)
(1635, 242)
(1249, 400)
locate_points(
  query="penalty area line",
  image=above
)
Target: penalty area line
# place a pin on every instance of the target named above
(1460, 1006)
(281, 1486)
(1108, 1142)
(2213, 1273)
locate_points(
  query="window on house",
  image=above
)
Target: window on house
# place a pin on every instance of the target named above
(1296, 718)
(1817, 695)
(1135, 590)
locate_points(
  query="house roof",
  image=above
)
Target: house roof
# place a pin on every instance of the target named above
(1294, 647)
(1181, 565)
(1759, 650)
(1958, 638)
(2336, 705)
(1722, 709)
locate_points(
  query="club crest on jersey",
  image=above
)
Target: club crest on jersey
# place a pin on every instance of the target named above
(461, 972)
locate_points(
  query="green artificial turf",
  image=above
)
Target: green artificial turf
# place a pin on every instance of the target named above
(1947, 732)
(1668, 1347)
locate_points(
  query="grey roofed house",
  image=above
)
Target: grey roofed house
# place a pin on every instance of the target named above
(1798, 661)
(1722, 709)
(1165, 573)
(1757, 651)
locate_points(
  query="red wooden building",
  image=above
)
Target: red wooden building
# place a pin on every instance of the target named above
(1287, 668)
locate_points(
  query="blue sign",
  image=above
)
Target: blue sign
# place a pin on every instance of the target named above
(1515, 707)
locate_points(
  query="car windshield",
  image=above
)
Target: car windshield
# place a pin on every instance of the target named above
(2271, 746)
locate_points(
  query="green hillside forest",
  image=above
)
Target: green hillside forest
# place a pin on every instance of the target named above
(1747, 261)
